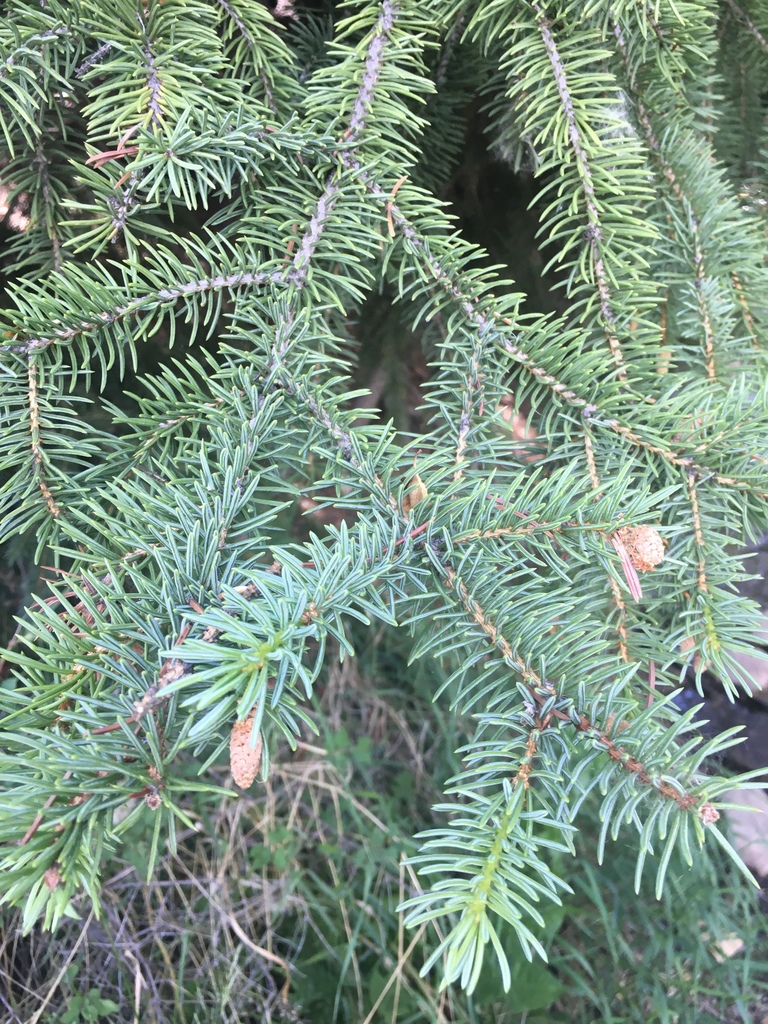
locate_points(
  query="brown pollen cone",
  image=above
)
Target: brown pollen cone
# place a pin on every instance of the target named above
(244, 760)
(644, 546)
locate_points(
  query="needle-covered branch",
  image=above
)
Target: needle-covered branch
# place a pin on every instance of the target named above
(555, 524)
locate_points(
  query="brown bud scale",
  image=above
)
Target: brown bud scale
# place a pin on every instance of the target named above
(52, 877)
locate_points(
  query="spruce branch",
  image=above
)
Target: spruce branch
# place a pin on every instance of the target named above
(351, 138)
(698, 535)
(92, 60)
(342, 439)
(371, 72)
(744, 18)
(242, 28)
(472, 396)
(618, 600)
(542, 692)
(705, 224)
(698, 254)
(594, 231)
(298, 273)
(256, 192)
(142, 303)
(154, 84)
(749, 320)
(589, 451)
(497, 639)
(27, 72)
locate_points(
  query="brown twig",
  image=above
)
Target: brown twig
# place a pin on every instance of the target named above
(523, 773)
(698, 535)
(495, 637)
(39, 818)
(38, 455)
(589, 450)
(171, 671)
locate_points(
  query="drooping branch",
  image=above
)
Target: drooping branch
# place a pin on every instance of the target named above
(695, 212)
(298, 272)
(497, 327)
(594, 233)
(373, 63)
(698, 252)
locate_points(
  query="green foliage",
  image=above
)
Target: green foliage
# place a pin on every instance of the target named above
(89, 1007)
(311, 868)
(196, 173)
